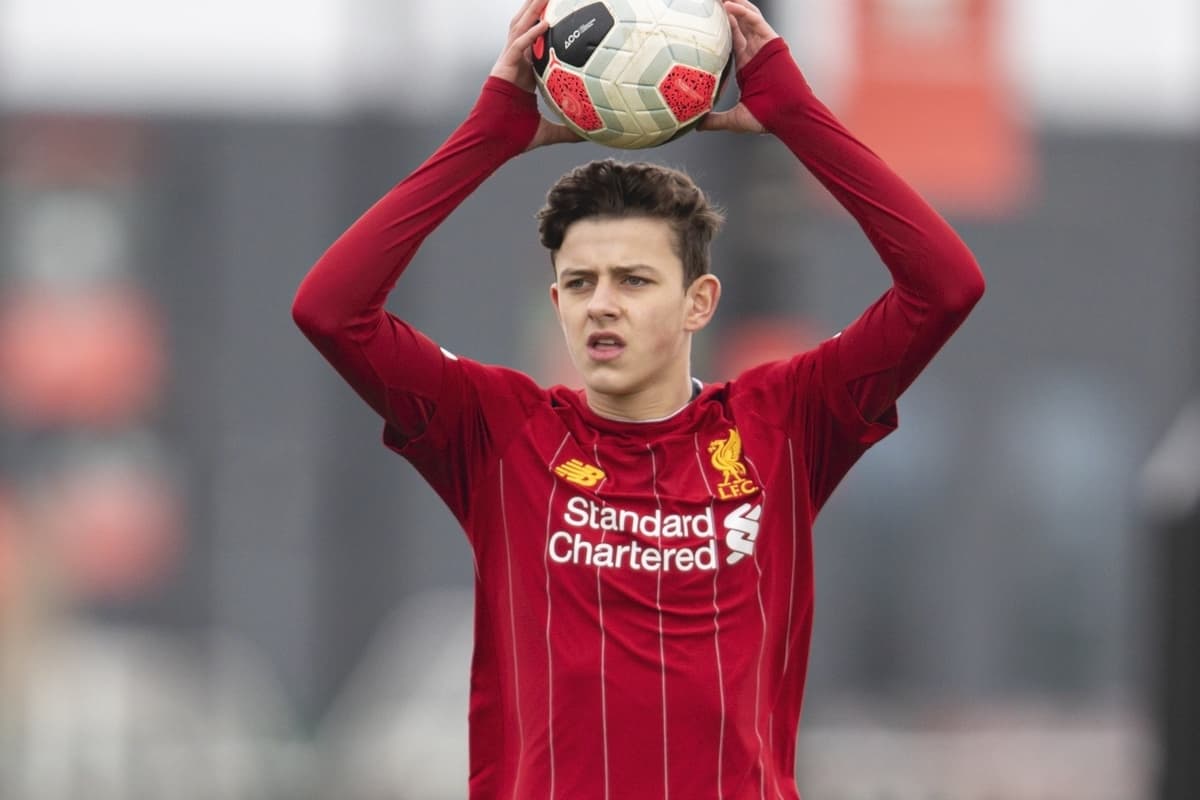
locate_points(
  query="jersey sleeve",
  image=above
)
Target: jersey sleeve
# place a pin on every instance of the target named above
(808, 400)
(464, 425)
(842, 394)
(398, 371)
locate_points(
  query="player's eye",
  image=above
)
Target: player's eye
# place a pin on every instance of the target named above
(635, 280)
(574, 284)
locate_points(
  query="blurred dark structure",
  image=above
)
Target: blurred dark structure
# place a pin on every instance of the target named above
(1174, 497)
(1171, 484)
(1178, 697)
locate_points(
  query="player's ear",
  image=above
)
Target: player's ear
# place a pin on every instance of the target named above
(554, 298)
(702, 298)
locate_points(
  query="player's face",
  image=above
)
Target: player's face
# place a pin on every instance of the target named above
(626, 315)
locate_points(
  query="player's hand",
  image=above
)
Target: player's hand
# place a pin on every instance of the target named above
(751, 32)
(515, 65)
(552, 133)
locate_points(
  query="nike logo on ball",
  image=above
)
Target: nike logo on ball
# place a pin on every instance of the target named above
(686, 88)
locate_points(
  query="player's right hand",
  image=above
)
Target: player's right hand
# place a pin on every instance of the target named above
(515, 65)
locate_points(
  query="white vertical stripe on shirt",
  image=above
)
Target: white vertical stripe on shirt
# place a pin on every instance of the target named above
(771, 747)
(762, 646)
(787, 641)
(603, 651)
(662, 652)
(512, 621)
(716, 628)
(475, 562)
(549, 652)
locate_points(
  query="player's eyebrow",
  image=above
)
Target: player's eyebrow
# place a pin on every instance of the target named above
(625, 269)
(619, 270)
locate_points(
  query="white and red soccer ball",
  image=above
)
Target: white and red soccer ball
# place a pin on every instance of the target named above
(633, 73)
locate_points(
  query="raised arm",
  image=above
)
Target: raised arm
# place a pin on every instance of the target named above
(339, 305)
(936, 281)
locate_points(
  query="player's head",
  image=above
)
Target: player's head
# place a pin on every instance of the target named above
(612, 189)
(630, 249)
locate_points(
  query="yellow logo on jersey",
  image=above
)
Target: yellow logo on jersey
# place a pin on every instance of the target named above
(579, 473)
(727, 458)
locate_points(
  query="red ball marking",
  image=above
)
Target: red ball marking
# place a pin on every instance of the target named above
(539, 46)
(688, 92)
(571, 96)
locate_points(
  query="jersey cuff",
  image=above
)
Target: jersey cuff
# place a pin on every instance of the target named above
(511, 113)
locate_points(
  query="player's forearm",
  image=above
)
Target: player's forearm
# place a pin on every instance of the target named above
(931, 266)
(344, 293)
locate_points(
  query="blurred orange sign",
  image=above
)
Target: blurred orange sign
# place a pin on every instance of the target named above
(929, 92)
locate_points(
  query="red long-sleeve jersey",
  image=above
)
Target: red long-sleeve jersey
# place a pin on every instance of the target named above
(643, 590)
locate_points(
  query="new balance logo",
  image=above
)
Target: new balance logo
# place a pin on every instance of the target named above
(742, 531)
(579, 473)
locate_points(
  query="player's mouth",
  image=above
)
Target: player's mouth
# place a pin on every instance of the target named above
(605, 346)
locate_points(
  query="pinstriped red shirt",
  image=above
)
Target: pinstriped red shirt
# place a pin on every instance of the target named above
(643, 590)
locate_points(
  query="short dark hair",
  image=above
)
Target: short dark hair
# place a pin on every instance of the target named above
(614, 189)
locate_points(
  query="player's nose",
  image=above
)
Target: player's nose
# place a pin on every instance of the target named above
(602, 304)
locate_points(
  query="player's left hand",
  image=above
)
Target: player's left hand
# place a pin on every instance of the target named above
(751, 32)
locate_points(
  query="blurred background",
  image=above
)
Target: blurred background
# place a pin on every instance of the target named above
(215, 583)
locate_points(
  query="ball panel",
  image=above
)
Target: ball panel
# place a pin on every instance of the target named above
(704, 17)
(649, 98)
(627, 122)
(658, 119)
(701, 35)
(713, 61)
(557, 9)
(604, 57)
(632, 39)
(625, 140)
(697, 8)
(628, 106)
(574, 37)
(697, 54)
(571, 97)
(649, 69)
(607, 138)
(688, 92)
(628, 12)
(708, 32)
(610, 106)
(685, 53)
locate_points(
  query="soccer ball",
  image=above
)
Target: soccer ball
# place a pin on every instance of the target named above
(633, 73)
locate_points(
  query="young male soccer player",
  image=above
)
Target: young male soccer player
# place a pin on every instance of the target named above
(643, 547)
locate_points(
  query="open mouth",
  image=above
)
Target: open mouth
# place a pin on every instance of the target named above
(605, 346)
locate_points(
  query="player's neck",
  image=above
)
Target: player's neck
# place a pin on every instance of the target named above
(651, 405)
